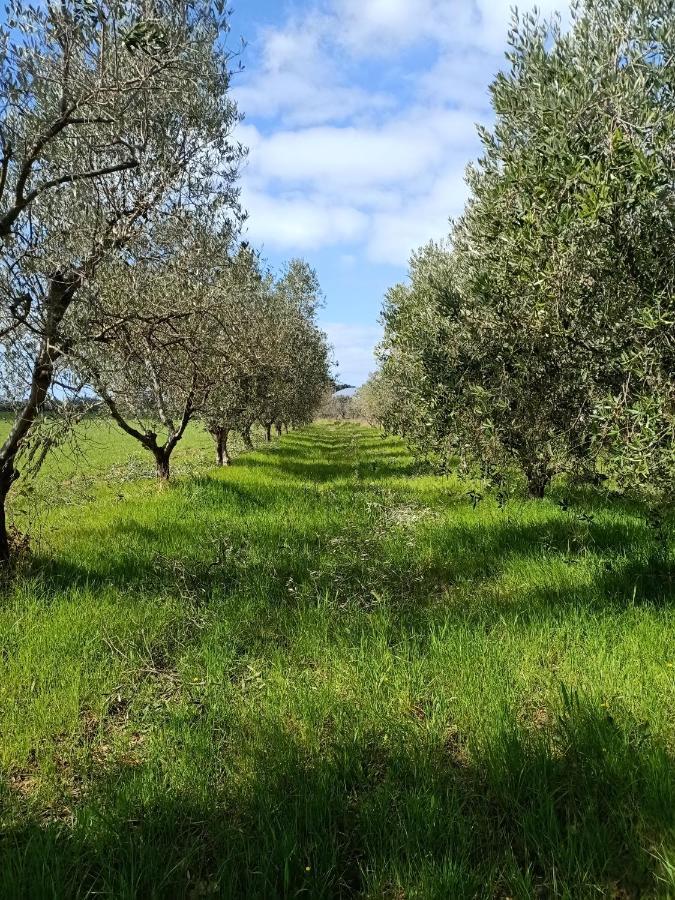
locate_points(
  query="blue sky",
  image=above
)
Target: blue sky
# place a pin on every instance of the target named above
(360, 119)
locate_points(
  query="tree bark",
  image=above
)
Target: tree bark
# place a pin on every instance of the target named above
(285, 428)
(222, 456)
(278, 429)
(148, 439)
(162, 458)
(62, 289)
(538, 479)
(6, 481)
(268, 433)
(5, 551)
(246, 437)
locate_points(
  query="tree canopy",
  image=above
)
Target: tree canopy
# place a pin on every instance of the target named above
(540, 336)
(122, 265)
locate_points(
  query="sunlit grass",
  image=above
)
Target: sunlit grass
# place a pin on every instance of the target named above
(320, 674)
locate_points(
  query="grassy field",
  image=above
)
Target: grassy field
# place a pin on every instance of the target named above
(317, 674)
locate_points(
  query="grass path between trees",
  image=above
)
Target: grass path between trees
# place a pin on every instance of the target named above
(318, 674)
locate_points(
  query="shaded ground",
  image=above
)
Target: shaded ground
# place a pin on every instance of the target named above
(317, 674)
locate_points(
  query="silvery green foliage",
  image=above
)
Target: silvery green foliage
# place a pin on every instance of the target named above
(114, 115)
(302, 354)
(375, 401)
(545, 336)
(238, 370)
(151, 362)
(415, 390)
(274, 365)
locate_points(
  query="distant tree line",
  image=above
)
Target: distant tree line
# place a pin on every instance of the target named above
(122, 272)
(540, 336)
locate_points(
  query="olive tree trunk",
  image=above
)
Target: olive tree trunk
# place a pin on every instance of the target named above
(220, 436)
(246, 437)
(62, 289)
(148, 439)
(5, 548)
(538, 479)
(162, 459)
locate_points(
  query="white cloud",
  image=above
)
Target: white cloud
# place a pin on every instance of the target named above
(383, 27)
(460, 78)
(393, 236)
(361, 121)
(299, 78)
(302, 71)
(390, 188)
(354, 347)
(335, 162)
(304, 222)
(352, 157)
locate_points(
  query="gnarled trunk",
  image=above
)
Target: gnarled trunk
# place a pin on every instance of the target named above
(5, 551)
(268, 432)
(220, 436)
(246, 437)
(148, 439)
(538, 479)
(7, 477)
(162, 459)
(278, 429)
(62, 289)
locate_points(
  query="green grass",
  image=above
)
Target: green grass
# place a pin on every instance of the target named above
(317, 674)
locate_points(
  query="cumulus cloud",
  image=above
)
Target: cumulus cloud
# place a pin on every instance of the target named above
(354, 347)
(295, 221)
(394, 234)
(365, 115)
(353, 158)
(361, 119)
(389, 189)
(301, 78)
(384, 27)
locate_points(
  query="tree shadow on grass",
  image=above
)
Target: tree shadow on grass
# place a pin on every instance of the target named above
(560, 561)
(617, 560)
(580, 807)
(314, 458)
(246, 537)
(331, 469)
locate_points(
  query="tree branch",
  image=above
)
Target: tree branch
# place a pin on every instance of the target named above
(164, 418)
(4, 166)
(81, 176)
(21, 201)
(121, 421)
(53, 131)
(187, 416)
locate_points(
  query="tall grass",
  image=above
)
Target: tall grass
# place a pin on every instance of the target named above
(318, 674)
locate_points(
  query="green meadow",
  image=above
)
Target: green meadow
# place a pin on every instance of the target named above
(321, 674)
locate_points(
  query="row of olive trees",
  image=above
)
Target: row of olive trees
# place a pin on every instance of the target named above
(541, 335)
(239, 347)
(120, 269)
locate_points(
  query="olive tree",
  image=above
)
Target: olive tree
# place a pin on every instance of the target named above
(417, 391)
(274, 364)
(297, 350)
(543, 337)
(562, 256)
(152, 364)
(112, 113)
(240, 328)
